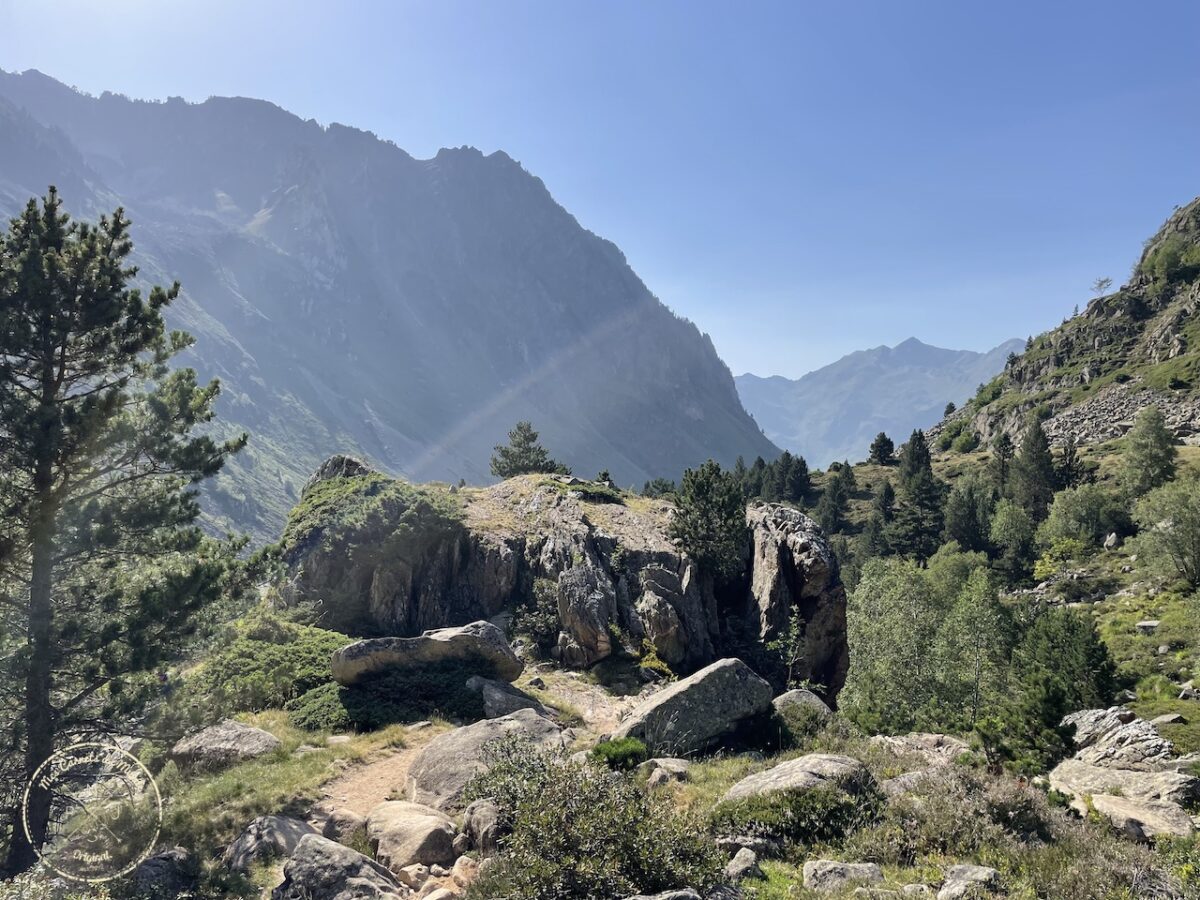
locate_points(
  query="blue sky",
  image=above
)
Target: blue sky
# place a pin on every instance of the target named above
(800, 179)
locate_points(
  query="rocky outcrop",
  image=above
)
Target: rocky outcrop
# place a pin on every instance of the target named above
(805, 773)
(793, 567)
(264, 838)
(692, 714)
(442, 769)
(222, 745)
(404, 559)
(1125, 771)
(932, 749)
(478, 642)
(321, 869)
(404, 834)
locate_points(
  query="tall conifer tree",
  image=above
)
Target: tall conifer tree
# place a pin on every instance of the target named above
(105, 566)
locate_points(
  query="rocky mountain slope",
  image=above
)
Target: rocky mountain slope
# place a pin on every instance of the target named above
(1132, 348)
(353, 298)
(832, 414)
(594, 572)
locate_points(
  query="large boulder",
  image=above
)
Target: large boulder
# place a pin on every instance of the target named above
(481, 824)
(1107, 741)
(794, 568)
(168, 873)
(321, 869)
(805, 773)
(1081, 780)
(404, 834)
(501, 698)
(442, 769)
(825, 876)
(264, 838)
(966, 880)
(222, 745)
(931, 749)
(1144, 819)
(691, 715)
(801, 701)
(1128, 773)
(478, 642)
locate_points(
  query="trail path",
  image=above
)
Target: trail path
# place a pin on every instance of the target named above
(364, 786)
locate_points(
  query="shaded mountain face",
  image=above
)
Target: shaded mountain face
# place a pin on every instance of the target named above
(1139, 346)
(354, 299)
(835, 412)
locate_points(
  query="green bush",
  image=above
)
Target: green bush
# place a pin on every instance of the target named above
(800, 818)
(578, 831)
(965, 442)
(267, 663)
(537, 615)
(390, 697)
(622, 754)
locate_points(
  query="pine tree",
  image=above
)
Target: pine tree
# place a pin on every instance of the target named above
(968, 513)
(950, 409)
(106, 567)
(1001, 463)
(798, 482)
(710, 520)
(1070, 469)
(884, 504)
(916, 527)
(835, 501)
(1150, 454)
(1034, 478)
(523, 455)
(882, 450)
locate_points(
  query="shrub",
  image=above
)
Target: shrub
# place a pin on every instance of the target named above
(267, 663)
(965, 442)
(622, 754)
(537, 616)
(1062, 551)
(390, 697)
(1087, 513)
(1169, 517)
(579, 831)
(800, 818)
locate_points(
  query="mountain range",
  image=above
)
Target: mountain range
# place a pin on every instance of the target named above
(353, 298)
(833, 413)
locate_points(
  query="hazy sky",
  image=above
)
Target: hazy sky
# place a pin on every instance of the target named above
(800, 179)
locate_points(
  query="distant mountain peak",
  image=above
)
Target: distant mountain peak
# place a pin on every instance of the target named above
(834, 412)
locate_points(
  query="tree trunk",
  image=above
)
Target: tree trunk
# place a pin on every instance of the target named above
(29, 831)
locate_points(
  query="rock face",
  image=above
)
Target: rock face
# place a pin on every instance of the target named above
(466, 297)
(222, 745)
(501, 698)
(479, 642)
(440, 772)
(320, 869)
(690, 715)
(405, 834)
(385, 564)
(1128, 773)
(793, 566)
(266, 837)
(805, 773)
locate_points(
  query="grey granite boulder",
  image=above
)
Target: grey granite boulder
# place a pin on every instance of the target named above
(265, 838)
(222, 745)
(824, 876)
(805, 773)
(802, 701)
(442, 769)
(321, 869)
(501, 698)
(480, 642)
(693, 714)
(404, 834)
